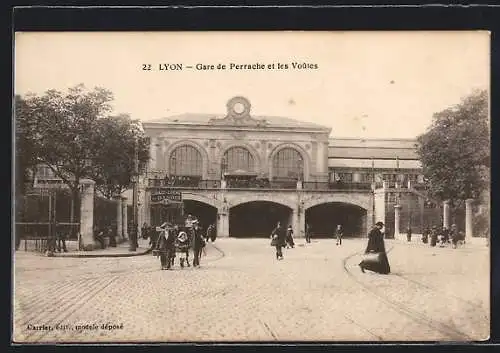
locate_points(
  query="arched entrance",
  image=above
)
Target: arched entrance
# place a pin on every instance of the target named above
(324, 218)
(257, 218)
(205, 213)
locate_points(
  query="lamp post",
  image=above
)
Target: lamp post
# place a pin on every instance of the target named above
(300, 169)
(135, 180)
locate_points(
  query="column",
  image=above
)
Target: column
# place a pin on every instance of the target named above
(368, 222)
(223, 221)
(119, 224)
(124, 218)
(152, 153)
(468, 219)
(446, 214)
(87, 214)
(397, 213)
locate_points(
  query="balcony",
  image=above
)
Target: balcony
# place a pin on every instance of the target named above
(253, 184)
(322, 186)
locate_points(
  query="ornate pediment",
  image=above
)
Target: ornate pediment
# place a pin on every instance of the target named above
(238, 114)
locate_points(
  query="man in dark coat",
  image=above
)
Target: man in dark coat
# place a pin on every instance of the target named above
(308, 233)
(165, 245)
(279, 239)
(198, 243)
(379, 263)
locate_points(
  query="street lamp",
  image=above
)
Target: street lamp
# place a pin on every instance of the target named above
(300, 169)
(223, 167)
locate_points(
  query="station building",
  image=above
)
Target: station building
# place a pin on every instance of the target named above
(245, 173)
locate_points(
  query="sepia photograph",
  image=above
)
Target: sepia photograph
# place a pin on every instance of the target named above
(281, 186)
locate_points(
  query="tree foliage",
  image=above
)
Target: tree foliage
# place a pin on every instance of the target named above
(116, 138)
(72, 133)
(455, 151)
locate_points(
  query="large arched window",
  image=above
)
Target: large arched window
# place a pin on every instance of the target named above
(288, 164)
(238, 158)
(186, 161)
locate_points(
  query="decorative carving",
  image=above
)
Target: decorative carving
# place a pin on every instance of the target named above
(308, 146)
(206, 143)
(238, 135)
(238, 113)
(218, 144)
(257, 145)
(212, 143)
(269, 145)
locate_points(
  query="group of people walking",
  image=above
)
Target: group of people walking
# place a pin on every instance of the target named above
(375, 256)
(442, 236)
(284, 239)
(173, 240)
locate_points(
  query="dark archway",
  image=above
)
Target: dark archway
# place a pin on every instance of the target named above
(257, 219)
(324, 218)
(205, 213)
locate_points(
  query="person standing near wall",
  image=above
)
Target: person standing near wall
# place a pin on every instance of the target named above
(339, 233)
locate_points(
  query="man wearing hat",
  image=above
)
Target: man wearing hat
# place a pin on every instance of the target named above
(378, 261)
(165, 245)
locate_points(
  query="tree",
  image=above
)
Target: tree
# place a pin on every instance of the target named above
(115, 140)
(455, 151)
(64, 134)
(27, 121)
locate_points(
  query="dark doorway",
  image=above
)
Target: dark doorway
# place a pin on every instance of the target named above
(257, 219)
(324, 218)
(205, 213)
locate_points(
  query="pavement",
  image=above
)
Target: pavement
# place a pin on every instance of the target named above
(121, 250)
(242, 293)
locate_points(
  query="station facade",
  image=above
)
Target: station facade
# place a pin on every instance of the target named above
(244, 173)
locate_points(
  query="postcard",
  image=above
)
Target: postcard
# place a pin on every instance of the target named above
(251, 187)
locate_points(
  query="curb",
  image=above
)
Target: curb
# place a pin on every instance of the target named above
(90, 255)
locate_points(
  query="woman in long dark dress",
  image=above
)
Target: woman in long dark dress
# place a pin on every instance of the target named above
(378, 262)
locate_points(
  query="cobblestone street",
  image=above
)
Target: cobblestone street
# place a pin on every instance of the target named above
(242, 293)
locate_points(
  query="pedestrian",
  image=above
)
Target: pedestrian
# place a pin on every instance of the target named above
(198, 243)
(434, 235)
(425, 234)
(408, 233)
(308, 233)
(445, 235)
(99, 237)
(145, 230)
(339, 233)
(454, 236)
(61, 238)
(278, 240)
(211, 233)
(289, 237)
(112, 237)
(376, 259)
(164, 245)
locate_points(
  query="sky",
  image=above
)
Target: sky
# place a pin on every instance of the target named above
(366, 84)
